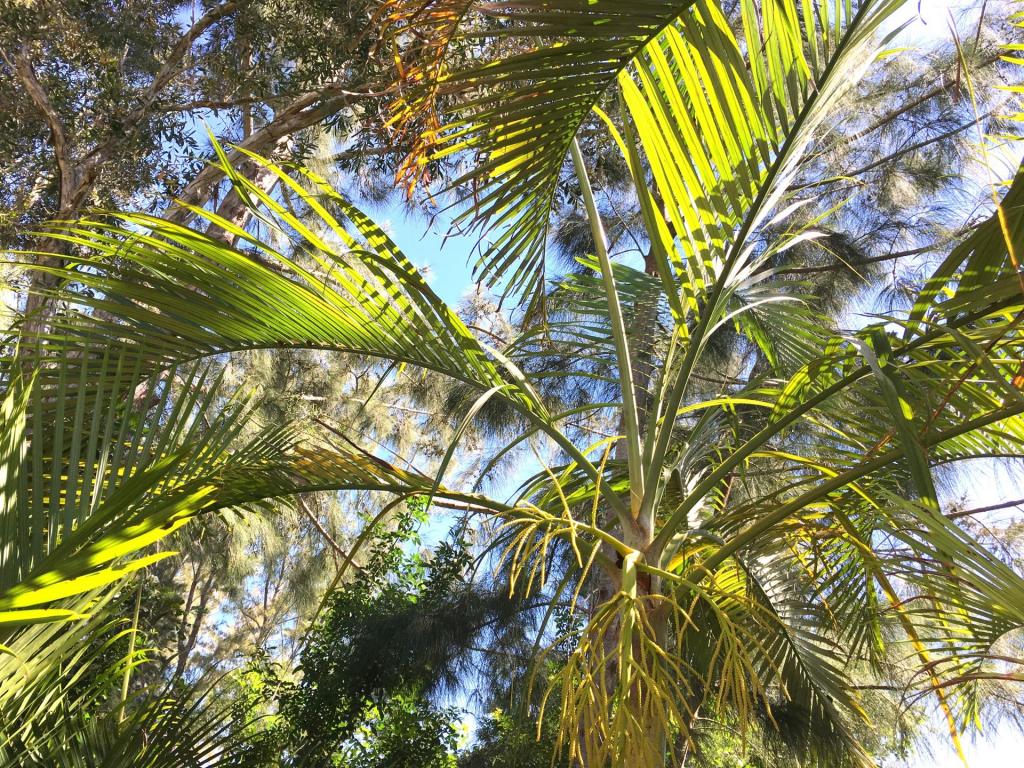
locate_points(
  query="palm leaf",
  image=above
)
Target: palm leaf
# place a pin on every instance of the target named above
(519, 114)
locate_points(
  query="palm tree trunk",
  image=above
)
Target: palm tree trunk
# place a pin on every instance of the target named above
(637, 378)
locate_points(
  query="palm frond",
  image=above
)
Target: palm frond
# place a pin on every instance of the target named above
(520, 114)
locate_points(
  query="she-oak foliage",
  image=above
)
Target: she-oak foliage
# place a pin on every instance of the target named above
(765, 540)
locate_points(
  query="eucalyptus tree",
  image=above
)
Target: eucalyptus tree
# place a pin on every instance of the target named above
(765, 537)
(101, 101)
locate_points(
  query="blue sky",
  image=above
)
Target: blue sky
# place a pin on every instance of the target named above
(445, 261)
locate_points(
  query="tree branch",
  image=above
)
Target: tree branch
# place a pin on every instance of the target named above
(943, 88)
(233, 207)
(991, 508)
(303, 112)
(171, 65)
(874, 260)
(304, 508)
(61, 148)
(188, 106)
(170, 69)
(894, 155)
(950, 86)
(185, 650)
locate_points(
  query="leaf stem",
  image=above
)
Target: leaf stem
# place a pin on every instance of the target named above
(630, 415)
(840, 481)
(126, 680)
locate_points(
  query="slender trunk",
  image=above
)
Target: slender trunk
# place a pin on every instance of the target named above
(637, 377)
(187, 639)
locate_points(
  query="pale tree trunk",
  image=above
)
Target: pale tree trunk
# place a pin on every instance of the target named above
(74, 183)
(643, 331)
(233, 208)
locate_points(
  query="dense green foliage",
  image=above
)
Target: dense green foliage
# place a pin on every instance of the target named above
(692, 479)
(365, 674)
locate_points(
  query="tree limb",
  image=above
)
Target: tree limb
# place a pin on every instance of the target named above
(304, 508)
(61, 147)
(1016, 503)
(189, 106)
(894, 155)
(185, 649)
(170, 68)
(843, 265)
(944, 87)
(303, 112)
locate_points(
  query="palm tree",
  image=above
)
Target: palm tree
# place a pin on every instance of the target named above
(762, 537)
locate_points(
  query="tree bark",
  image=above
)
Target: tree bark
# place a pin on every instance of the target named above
(188, 634)
(232, 209)
(71, 188)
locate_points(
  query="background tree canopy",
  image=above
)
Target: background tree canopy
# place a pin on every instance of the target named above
(679, 482)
